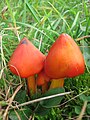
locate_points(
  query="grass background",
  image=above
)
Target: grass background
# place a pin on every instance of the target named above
(42, 21)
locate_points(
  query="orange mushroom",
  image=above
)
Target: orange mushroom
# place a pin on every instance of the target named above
(26, 60)
(64, 59)
(42, 80)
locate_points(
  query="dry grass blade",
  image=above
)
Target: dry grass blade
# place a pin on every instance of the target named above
(72, 98)
(11, 99)
(40, 99)
(82, 111)
(3, 63)
(17, 115)
(12, 28)
(7, 93)
(3, 11)
(15, 30)
(81, 38)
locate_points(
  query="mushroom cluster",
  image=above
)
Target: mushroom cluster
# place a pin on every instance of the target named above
(64, 60)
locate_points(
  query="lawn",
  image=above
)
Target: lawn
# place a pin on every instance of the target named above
(42, 21)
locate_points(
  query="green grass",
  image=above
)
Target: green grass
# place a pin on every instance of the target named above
(41, 21)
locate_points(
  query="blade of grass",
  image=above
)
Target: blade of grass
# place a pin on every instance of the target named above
(87, 16)
(11, 100)
(32, 11)
(13, 19)
(46, 17)
(30, 26)
(11, 13)
(75, 20)
(24, 13)
(60, 15)
(73, 98)
(57, 22)
(87, 26)
(41, 99)
(82, 111)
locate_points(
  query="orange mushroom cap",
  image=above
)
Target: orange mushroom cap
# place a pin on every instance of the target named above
(26, 60)
(64, 59)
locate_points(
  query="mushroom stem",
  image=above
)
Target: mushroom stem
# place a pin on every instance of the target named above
(31, 85)
(44, 87)
(56, 83)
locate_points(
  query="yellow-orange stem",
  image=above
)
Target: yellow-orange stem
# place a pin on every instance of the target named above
(57, 83)
(31, 85)
(44, 87)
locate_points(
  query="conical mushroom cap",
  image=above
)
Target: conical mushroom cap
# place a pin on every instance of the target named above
(26, 60)
(64, 59)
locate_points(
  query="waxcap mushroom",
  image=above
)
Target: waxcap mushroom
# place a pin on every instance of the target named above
(26, 60)
(42, 78)
(64, 59)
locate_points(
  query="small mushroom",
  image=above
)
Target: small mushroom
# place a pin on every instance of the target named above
(42, 80)
(26, 61)
(64, 59)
